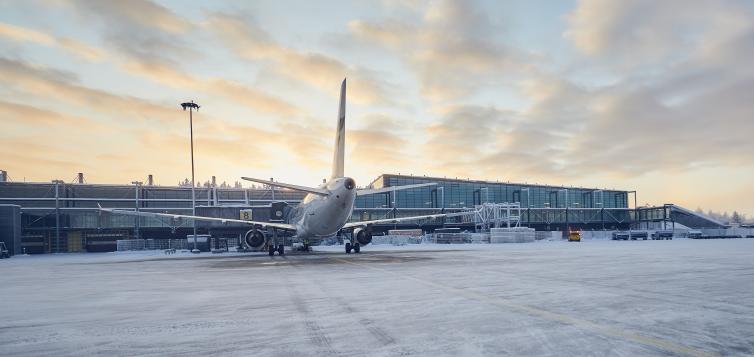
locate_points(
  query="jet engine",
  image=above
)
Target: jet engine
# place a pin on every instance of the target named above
(362, 235)
(254, 239)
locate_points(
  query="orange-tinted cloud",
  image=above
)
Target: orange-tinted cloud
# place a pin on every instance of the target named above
(30, 115)
(45, 82)
(314, 69)
(133, 13)
(79, 49)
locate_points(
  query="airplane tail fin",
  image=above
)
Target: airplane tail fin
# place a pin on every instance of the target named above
(340, 135)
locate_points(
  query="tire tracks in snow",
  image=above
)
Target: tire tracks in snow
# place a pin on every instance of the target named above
(379, 334)
(315, 332)
(657, 343)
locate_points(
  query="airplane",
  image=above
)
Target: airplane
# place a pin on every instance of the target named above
(324, 212)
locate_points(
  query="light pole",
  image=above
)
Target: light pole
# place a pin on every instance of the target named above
(57, 183)
(137, 219)
(191, 106)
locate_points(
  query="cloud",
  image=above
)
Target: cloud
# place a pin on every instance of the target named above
(693, 109)
(489, 142)
(38, 158)
(81, 50)
(649, 135)
(153, 41)
(693, 112)
(450, 49)
(44, 82)
(322, 72)
(166, 74)
(237, 92)
(30, 115)
(151, 38)
(309, 142)
(465, 131)
(252, 98)
(645, 32)
(382, 139)
(21, 34)
(133, 13)
(78, 49)
(622, 131)
(216, 144)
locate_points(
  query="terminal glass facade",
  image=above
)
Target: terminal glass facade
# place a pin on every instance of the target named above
(452, 193)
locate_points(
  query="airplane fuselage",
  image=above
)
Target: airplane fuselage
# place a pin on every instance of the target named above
(319, 216)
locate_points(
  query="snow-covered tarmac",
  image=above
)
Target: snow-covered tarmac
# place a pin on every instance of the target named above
(594, 298)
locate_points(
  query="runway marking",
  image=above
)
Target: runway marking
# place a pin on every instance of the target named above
(553, 316)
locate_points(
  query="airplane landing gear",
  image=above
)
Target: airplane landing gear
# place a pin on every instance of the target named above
(273, 247)
(356, 247)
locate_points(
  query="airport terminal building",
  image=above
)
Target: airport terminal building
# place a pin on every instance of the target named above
(63, 217)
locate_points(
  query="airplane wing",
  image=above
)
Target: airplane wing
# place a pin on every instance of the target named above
(371, 191)
(199, 218)
(314, 190)
(402, 219)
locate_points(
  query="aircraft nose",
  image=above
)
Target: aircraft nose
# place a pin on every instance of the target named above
(349, 183)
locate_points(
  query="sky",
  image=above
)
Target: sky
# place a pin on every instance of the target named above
(656, 97)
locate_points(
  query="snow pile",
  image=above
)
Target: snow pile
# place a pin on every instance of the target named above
(548, 235)
(512, 235)
(396, 239)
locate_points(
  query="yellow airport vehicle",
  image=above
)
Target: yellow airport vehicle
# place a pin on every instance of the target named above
(574, 236)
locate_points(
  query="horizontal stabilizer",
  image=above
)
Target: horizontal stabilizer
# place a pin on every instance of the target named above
(371, 191)
(284, 226)
(314, 190)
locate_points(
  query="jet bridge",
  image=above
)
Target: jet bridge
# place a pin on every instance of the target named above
(693, 219)
(669, 214)
(493, 215)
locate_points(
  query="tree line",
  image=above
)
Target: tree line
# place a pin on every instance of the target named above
(724, 217)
